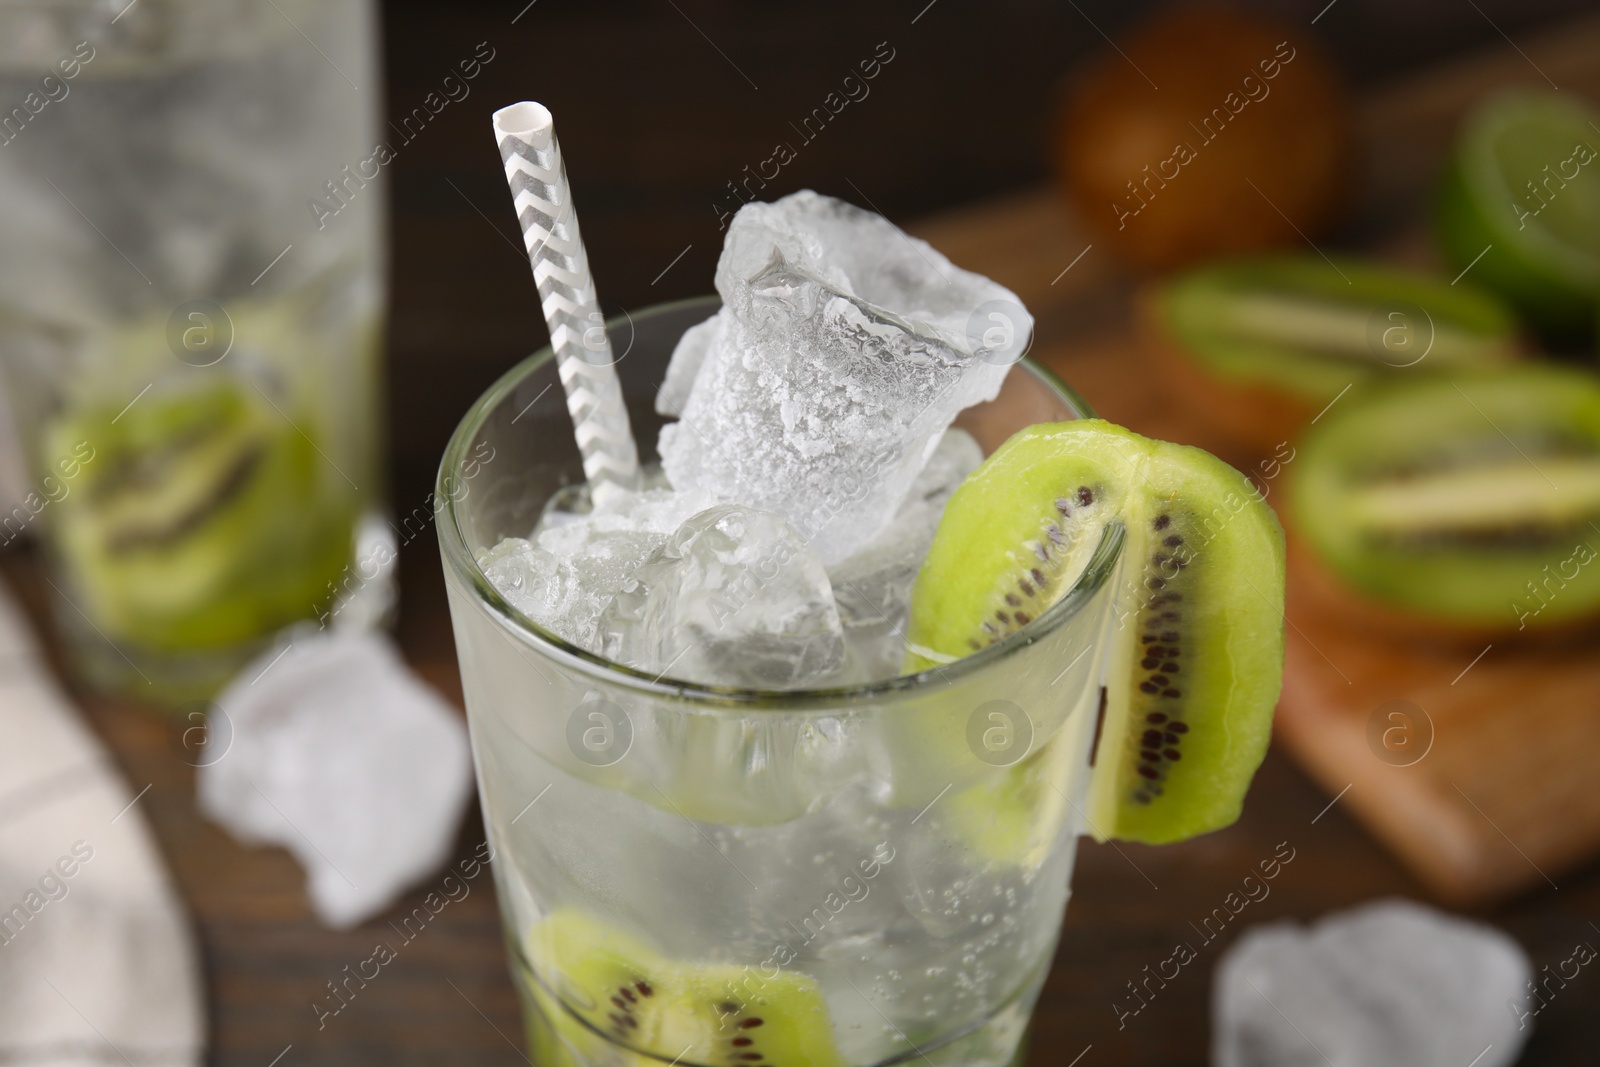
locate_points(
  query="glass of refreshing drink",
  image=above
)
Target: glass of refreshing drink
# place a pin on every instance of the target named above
(190, 347)
(784, 753)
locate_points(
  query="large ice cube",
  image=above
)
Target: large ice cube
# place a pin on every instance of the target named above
(687, 359)
(1390, 982)
(873, 587)
(733, 598)
(845, 349)
(569, 572)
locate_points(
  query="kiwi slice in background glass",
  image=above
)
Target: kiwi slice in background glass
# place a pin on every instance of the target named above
(1259, 346)
(1519, 204)
(219, 500)
(1195, 656)
(605, 997)
(200, 522)
(1461, 505)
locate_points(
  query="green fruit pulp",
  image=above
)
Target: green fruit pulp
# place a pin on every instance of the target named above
(604, 997)
(1472, 500)
(1015, 819)
(1196, 657)
(201, 522)
(1310, 328)
(1530, 233)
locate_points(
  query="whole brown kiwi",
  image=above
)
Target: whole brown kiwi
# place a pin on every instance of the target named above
(1212, 132)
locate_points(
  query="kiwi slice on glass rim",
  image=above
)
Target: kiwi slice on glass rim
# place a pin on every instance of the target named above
(1195, 654)
(1259, 346)
(605, 997)
(1465, 505)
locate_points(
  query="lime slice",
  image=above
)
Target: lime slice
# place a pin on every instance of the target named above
(1520, 206)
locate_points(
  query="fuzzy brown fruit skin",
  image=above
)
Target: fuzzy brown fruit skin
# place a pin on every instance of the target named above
(1251, 417)
(1293, 138)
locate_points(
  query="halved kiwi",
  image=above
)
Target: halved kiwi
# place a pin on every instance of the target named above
(1469, 504)
(1195, 658)
(1259, 346)
(605, 997)
(1519, 207)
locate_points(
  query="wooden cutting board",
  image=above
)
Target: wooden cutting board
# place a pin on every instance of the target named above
(1485, 784)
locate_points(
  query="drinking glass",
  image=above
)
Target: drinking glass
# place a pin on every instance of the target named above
(191, 289)
(706, 875)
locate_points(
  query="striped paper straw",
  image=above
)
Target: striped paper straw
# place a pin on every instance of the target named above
(543, 199)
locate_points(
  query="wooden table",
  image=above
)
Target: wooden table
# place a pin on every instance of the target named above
(447, 999)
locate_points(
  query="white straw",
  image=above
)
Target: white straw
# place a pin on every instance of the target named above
(543, 200)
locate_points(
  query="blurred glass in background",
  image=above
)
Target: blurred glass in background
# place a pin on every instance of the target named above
(192, 283)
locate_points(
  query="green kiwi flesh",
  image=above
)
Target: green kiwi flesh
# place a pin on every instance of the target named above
(604, 997)
(198, 521)
(1472, 500)
(1307, 327)
(1195, 656)
(1521, 181)
(1015, 819)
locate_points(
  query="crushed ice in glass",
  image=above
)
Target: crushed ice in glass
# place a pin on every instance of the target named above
(841, 356)
(734, 598)
(808, 468)
(873, 587)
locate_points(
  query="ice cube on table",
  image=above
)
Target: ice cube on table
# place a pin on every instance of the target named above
(873, 587)
(733, 598)
(1391, 983)
(333, 749)
(570, 570)
(845, 349)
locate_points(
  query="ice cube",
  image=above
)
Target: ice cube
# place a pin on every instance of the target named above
(687, 359)
(1391, 982)
(845, 351)
(873, 587)
(340, 754)
(734, 598)
(576, 563)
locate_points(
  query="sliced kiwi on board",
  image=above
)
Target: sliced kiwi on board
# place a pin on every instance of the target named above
(1260, 345)
(605, 997)
(1468, 504)
(1195, 656)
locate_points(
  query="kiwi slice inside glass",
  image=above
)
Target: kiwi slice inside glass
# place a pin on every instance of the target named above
(1194, 659)
(1471, 503)
(1015, 819)
(1307, 329)
(605, 997)
(199, 522)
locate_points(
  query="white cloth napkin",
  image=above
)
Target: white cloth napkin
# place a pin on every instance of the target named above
(97, 965)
